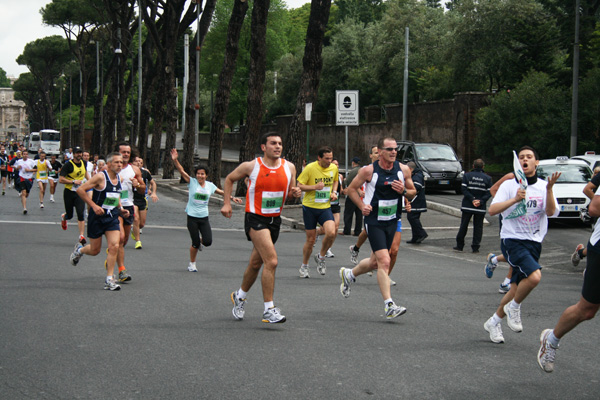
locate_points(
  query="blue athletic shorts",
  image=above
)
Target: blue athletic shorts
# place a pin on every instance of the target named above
(523, 257)
(381, 236)
(399, 226)
(99, 224)
(591, 278)
(314, 215)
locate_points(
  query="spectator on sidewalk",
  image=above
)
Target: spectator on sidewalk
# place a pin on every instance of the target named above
(418, 206)
(476, 190)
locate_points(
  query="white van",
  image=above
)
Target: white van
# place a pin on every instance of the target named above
(34, 142)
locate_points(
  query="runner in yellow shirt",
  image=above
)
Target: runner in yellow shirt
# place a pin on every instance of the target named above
(43, 170)
(319, 181)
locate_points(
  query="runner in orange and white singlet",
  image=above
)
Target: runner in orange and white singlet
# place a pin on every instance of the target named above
(271, 180)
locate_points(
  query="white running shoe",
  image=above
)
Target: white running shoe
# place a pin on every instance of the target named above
(393, 311)
(329, 254)
(513, 318)
(111, 285)
(304, 271)
(575, 258)
(392, 282)
(346, 281)
(494, 330)
(547, 353)
(273, 316)
(353, 255)
(321, 267)
(192, 267)
(238, 306)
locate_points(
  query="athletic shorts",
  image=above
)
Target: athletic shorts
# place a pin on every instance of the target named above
(25, 184)
(128, 220)
(591, 279)
(381, 236)
(142, 204)
(258, 222)
(399, 226)
(312, 216)
(336, 209)
(522, 256)
(3, 173)
(43, 180)
(99, 224)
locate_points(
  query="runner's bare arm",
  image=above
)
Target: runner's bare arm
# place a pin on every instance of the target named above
(174, 157)
(294, 190)
(242, 171)
(97, 181)
(364, 174)
(138, 181)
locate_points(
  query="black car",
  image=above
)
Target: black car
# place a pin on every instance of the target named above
(440, 165)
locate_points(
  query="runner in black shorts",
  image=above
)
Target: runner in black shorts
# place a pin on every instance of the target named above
(588, 304)
(271, 180)
(387, 183)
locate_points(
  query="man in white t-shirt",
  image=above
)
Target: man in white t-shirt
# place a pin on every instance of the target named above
(521, 238)
(26, 167)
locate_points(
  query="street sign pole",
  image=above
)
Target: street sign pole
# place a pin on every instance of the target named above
(307, 118)
(346, 113)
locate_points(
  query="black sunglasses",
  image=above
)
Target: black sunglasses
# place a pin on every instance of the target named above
(390, 148)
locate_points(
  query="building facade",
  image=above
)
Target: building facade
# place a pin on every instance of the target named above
(13, 117)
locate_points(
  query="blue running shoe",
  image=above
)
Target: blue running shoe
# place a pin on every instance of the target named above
(490, 266)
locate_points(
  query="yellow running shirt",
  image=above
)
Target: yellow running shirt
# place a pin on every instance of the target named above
(312, 174)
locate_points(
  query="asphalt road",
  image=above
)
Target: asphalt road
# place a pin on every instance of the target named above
(170, 333)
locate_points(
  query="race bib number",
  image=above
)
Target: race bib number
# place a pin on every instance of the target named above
(111, 201)
(43, 174)
(124, 194)
(271, 202)
(322, 196)
(387, 210)
(200, 198)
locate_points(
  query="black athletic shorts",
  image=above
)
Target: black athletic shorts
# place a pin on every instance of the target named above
(591, 278)
(128, 220)
(258, 222)
(142, 204)
(25, 184)
(336, 209)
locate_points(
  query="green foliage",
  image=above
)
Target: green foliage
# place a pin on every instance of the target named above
(365, 11)
(535, 113)
(70, 13)
(4, 81)
(589, 112)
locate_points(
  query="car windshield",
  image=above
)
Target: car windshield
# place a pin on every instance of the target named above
(435, 152)
(570, 173)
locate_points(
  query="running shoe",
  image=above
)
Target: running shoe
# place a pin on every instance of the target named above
(138, 245)
(547, 353)
(504, 288)
(345, 286)
(304, 271)
(41, 205)
(575, 257)
(192, 267)
(393, 311)
(51, 199)
(273, 316)
(24, 211)
(76, 255)
(370, 273)
(329, 254)
(238, 306)
(513, 318)
(140, 231)
(63, 222)
(490, 266)
(82, 240)
(392, 282)
(353, 255)
(494, 330)
(3, 193)
(321, 267)
(124, 276)
(111, 285)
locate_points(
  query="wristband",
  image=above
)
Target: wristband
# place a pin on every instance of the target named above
(404, 192)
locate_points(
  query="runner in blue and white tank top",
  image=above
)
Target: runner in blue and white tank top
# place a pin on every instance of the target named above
(105, 209)
(387, 182)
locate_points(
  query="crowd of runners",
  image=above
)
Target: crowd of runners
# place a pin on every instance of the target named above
(114, 192)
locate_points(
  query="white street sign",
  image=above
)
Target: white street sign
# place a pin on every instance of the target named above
(346, 107)
(307, 111)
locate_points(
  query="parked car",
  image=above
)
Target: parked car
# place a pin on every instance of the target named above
(440, 165)
(568, 190)
(591, 158)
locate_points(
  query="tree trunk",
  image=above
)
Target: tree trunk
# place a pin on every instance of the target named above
(224, 91)
(190, 108)
(256, 84)
(97, 133)
(309, 86)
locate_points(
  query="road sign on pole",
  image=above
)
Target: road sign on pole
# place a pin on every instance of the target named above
(346, 107)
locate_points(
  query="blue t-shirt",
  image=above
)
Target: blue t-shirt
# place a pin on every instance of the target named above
(198, 197)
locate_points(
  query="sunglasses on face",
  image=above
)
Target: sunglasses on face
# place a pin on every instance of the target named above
(389, 148)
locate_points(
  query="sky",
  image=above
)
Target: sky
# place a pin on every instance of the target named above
(21, 23)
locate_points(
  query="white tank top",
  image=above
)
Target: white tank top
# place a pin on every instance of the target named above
(127, 188)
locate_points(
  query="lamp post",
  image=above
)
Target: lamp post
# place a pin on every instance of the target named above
(118, 53)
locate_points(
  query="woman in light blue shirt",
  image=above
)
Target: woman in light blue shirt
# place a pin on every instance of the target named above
(200, 191)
